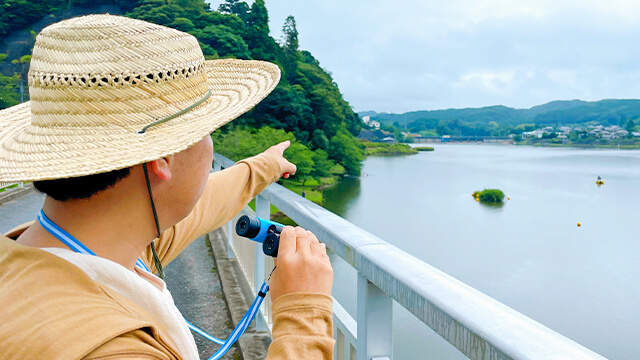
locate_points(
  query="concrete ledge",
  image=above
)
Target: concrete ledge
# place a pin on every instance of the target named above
(253, 345)
(13, 193)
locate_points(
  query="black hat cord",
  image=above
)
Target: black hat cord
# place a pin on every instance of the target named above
(156, 258)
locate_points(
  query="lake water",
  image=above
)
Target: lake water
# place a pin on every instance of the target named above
(583, 282)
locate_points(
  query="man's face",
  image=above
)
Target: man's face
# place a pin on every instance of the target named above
(189, 173)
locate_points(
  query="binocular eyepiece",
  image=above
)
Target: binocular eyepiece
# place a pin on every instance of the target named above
(260, 230)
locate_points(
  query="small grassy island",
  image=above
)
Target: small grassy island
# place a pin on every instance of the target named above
(386, 149)
(491, 196)
(423, 148)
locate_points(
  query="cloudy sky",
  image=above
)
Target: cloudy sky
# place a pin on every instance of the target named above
(406, 55)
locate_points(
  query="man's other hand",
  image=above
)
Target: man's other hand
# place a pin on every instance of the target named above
(302, 264)
(278, 150)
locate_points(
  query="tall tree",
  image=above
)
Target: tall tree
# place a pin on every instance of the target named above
(258, 17)
(239, 8)
(290, 46)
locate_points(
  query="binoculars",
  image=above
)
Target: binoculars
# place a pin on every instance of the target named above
(260, 230)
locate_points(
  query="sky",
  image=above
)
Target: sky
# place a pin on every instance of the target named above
(409, 55)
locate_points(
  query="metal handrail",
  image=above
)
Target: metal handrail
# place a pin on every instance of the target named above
(476, 324)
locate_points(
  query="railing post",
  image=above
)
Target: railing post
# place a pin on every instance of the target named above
(230, 232)
(217, 166)
(375, 322)
(263, 210)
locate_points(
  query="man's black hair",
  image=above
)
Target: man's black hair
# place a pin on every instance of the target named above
(82, 187)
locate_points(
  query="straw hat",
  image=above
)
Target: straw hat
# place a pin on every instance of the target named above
(109, 92)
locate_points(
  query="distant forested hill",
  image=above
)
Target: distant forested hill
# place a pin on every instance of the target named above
(604, 112)
(307, 103)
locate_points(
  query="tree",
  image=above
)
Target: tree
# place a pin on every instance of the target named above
(239, 8)
(224, 42)
(319, 140)
(290, 45)
(347, 151)
(322, 164)
(8, 90)
(631, 127)
(183, 24)
(303, 158)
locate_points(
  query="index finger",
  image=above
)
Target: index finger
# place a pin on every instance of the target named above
(287, 241)
(283, 146)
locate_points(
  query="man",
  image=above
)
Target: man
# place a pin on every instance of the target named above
(117, 136)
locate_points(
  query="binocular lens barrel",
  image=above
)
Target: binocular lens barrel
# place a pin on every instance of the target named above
(248, 227)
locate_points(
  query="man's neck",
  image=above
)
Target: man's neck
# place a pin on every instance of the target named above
(114, 224)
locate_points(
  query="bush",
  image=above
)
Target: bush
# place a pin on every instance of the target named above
(489, 195)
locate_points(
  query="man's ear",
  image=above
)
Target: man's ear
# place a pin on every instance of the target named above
(161, 168)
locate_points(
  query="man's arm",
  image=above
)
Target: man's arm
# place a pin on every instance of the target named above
(302, 327)
(301, 293)
(225, 194)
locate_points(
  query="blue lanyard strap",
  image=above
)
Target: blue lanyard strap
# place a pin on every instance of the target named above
(79, 247)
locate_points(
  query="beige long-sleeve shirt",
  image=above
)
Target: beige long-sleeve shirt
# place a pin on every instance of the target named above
(52, 309)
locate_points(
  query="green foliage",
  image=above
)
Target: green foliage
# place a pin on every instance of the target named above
(388, 149)
(302, 157)
(183, 24)
(243, 142)
(17, 14)
(224, 41)
(489, 195)
(322, 164)
(347, 151)
(424, 148)
(8, 90)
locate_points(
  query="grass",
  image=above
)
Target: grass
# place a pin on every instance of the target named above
(386, 149)
(424, 148)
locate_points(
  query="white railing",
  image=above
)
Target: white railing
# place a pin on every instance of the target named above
(476, 324)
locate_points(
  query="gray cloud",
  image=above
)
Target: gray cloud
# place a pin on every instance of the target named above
(415, 54)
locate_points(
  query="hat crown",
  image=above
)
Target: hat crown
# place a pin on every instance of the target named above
(107, 50)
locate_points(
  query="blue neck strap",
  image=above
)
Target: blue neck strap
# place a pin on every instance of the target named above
(79, 247)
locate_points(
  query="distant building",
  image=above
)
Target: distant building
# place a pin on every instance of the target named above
(374, 124)
(446, 138)
(389, 140)
(366, 119)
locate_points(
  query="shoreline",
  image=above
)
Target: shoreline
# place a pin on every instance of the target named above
(574, 146)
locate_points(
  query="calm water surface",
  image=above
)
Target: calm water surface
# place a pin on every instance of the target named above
(583, 282)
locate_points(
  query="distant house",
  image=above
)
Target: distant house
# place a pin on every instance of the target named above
(635, 134)
(366, 119)
(390, 140)
(446, 138)
(374, 124)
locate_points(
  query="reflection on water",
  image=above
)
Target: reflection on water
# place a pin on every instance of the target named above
(528, 253)
(337, 198)
(492, 206)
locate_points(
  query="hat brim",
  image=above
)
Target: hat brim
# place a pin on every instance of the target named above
(31, 153)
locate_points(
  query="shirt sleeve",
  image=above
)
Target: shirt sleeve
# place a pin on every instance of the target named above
(302, 327)
(225, 194)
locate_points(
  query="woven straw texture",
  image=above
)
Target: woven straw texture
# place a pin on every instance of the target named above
(96, 81)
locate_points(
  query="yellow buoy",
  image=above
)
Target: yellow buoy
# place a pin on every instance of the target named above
(477, 199)
(600, 182)
(579, 224)
(508, 198)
